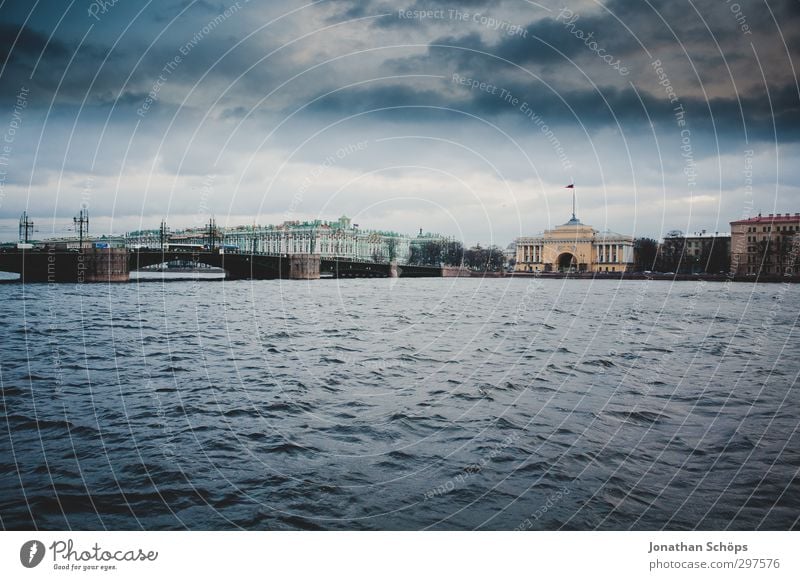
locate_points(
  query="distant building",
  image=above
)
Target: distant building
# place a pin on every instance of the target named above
(510, 253)
(766, 244)
(62, 244)
(340, 238)
(694, 253)
(423, 238)
(143, 239)
(574, 247)
(109, 241)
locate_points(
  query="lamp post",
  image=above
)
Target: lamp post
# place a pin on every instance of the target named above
(81, 221)
(25, 227)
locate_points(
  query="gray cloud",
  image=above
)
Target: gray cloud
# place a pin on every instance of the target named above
(738, 90)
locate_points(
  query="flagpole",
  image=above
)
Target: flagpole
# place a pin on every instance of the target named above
(572, 187)
(573, 200)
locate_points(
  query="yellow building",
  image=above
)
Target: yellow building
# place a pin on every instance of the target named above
(575, 247)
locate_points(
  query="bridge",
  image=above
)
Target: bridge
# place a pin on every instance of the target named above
(115, 265)
(346, 268)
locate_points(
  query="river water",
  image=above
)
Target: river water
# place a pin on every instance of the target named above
(400, 404)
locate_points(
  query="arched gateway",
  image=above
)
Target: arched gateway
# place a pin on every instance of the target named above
(567, 262)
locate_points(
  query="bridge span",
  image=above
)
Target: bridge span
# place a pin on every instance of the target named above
(115, 265)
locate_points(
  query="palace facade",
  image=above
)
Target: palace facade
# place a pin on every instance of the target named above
(574, 247)
(337, 238)
(329, 239)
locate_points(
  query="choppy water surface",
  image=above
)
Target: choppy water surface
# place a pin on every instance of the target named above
(400, 404)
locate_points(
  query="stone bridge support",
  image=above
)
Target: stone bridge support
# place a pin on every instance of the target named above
(304, 266)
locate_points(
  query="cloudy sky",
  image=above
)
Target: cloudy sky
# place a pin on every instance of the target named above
(466, 118)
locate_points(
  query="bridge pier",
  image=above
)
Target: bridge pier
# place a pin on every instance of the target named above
(106, 265)
(455, 272)
(304, 266)
(78, 266)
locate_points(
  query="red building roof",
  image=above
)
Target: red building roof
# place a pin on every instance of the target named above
(769, 219)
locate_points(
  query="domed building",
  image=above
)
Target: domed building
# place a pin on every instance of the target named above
(575, 247)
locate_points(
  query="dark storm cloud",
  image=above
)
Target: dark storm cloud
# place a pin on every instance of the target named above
(30, 59)
(717, 100)
(754, 116)
(621, 27)
(118, 65)
(27, 44)
(627, 28)
(55, 65)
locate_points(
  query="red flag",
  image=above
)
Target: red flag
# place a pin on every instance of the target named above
(570, 186)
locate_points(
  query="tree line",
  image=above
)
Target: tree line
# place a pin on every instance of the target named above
(673, 256)
(453, 253)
